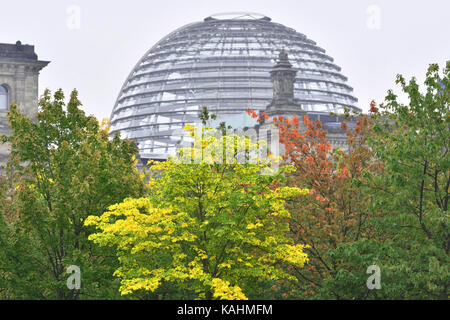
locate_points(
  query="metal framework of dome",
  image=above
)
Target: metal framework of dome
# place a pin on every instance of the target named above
(223, 63)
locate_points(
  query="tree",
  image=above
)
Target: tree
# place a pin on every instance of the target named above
(63, 167)
(335, 211)
(410, 239)
(211, 228)
(413, 141)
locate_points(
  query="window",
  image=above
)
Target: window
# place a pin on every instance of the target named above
(4, 99)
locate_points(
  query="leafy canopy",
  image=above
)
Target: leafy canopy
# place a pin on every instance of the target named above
(207, 230)
(63, 167)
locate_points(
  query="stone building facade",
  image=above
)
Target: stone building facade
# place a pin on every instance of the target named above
(19, 74)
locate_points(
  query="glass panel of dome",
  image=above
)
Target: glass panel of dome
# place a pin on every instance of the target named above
(168, 96)
(146, 144)
(159, 150)
(174, 75)
(176, 126)
(163, 119)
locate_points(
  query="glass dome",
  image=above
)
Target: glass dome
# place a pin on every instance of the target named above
(222, 63)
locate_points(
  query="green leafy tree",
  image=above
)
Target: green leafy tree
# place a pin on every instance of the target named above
(211, 228)
(63, 167)
(412, 247)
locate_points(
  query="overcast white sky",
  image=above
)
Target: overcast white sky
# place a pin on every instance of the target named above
(371, 40)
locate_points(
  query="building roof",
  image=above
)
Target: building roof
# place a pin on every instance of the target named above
(18, 51)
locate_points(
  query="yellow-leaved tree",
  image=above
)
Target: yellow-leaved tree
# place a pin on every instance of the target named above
(211, 228)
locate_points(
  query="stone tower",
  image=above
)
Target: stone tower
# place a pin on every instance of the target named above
(19, 73)
(283, 77)
(284, 104)
(283, 101)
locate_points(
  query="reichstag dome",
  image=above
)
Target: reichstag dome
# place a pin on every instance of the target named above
(223, 63)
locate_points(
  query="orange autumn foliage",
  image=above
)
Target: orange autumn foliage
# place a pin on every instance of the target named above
(335, 211)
